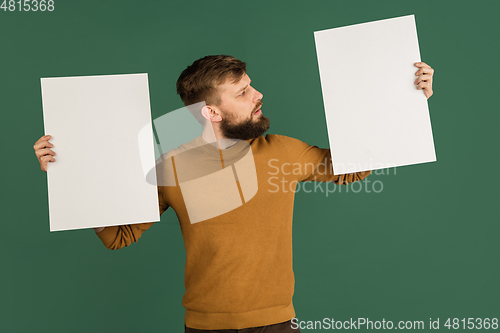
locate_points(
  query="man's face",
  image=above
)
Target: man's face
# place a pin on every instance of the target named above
(240, 109)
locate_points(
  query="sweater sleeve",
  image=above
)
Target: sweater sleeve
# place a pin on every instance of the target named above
(119, 236)
(311, 163)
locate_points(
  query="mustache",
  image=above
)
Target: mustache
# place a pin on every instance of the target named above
(259, 104)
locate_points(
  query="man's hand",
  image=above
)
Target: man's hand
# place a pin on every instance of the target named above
(46, 155)
(424, 80)
(43, 152)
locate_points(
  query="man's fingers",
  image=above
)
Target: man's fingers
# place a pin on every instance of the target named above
(419, 64)
(424, 85)
(47, 158)
(41, 139)
(45, 137)
(42, 152)
(40, 142)
(44, 161)
(422, 65)
(424, 77)
(425, 70)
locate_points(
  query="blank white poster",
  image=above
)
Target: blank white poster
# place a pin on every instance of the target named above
(98, 179)
(375, 115)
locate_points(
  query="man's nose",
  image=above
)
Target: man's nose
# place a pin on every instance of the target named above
(257, 95)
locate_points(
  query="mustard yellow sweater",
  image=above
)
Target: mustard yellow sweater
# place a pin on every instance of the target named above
(239, 263)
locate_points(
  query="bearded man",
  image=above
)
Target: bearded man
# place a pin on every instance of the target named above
(239, 262)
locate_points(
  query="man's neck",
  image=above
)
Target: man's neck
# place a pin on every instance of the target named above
(219, 140)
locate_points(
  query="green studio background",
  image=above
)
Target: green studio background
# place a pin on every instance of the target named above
(425, 247)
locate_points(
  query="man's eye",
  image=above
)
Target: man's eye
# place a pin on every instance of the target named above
(243, 93)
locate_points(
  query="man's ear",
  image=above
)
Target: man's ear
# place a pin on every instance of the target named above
(210, 113)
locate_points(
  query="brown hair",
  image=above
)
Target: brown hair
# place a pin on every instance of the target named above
(199, 81)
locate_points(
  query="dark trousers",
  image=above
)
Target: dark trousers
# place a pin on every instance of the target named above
(285, 327)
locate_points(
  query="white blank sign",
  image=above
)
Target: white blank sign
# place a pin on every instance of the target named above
(376, 117)
(98, 179)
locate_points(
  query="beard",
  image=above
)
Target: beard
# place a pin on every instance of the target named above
(247, 129)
